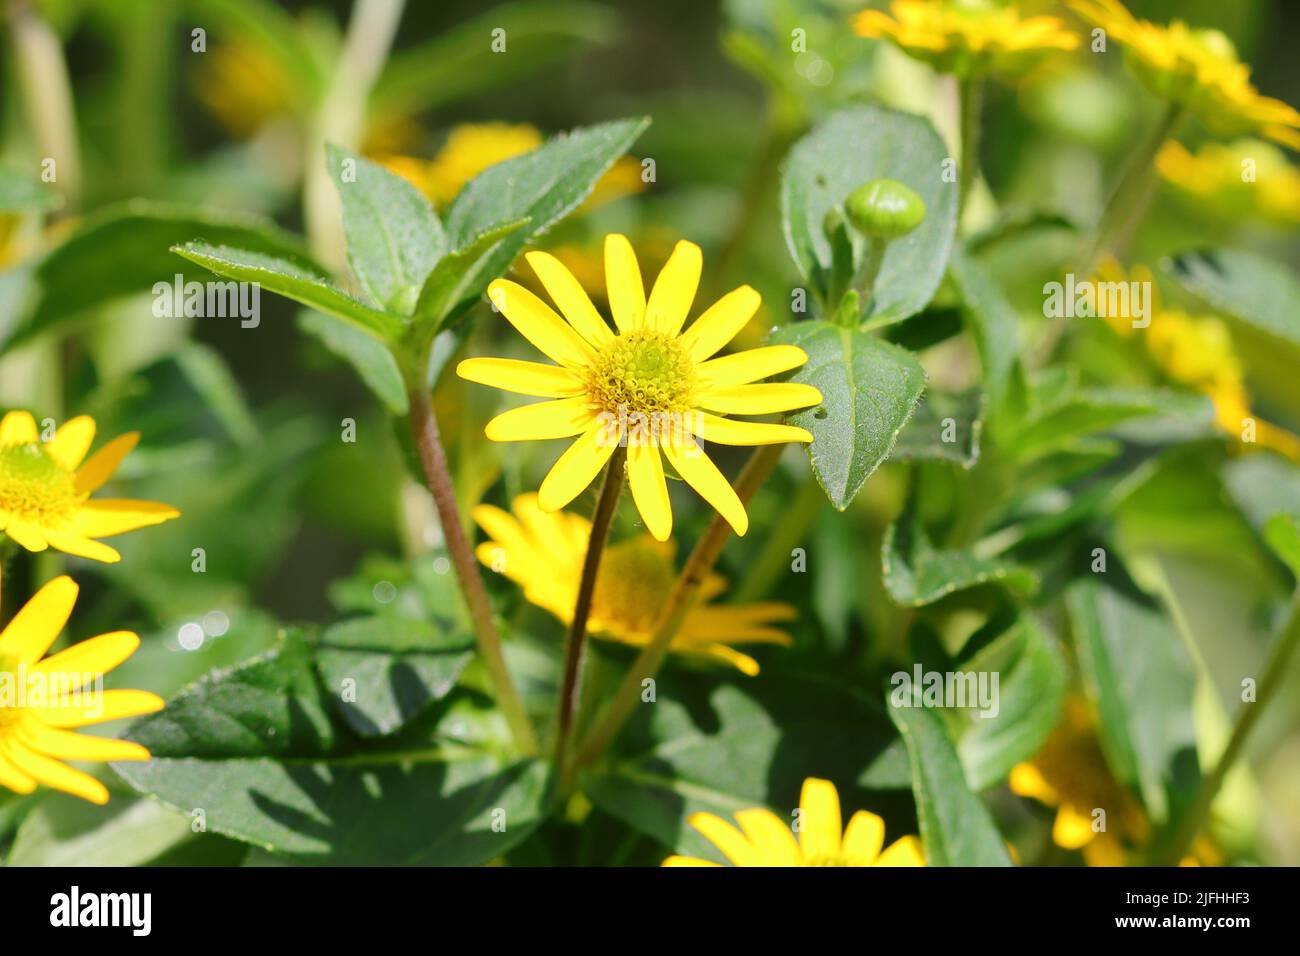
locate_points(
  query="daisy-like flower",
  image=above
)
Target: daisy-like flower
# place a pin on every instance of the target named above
(967, 37)
(764, 839)
(45, 489)
(1213, 180)
(1198, 69)
(42, 700)
(544, 552)
(1070, 773)
(645, 384)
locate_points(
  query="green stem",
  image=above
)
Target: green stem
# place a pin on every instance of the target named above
(1119, 220)
(1274, 676)
(683, 597)
(433, 459)
(575, 641)
(774, 559)
(971, 93)
(865, 281)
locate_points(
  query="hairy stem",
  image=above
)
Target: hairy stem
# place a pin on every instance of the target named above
(971, 105)
(47, 95)
(433, 459)
(576, 640)
(1274, 674)
(683, 597)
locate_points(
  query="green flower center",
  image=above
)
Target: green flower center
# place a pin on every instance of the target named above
(642, 371)
(636, 577)
(34, 486)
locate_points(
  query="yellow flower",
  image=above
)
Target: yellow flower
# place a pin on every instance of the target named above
(244, 88)
(544, 553)
(473, 147)
(1248, 179)
(1198, 69)
(648, 386)
(764, 839)
(40, 700)
(1071, 774)
(45, 489)
(966, 36)
(1198, 351)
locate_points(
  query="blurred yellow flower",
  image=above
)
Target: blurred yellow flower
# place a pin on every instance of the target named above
(40, 700)
(45, 489)
(1071, 774)
(1197, 69)
(1247, 179)
(764, 839)
(1198, 351)
(648, 386)
(243, 88)
(967, 37)
(544, 552)
(471, 148)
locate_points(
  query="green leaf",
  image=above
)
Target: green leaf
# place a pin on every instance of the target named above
(396, 668)
(721, 745)
(461, 63)
(129, 831)
(542, 186)
(993, 325)
(20, 193)
(1032, 680)
(254, 749)
(1246, 286)
(869, 389)
(916, 574)
(1137, 670)
(210, 378)
(123, 251)
(1282, 532)
(945, 427)
(955, 825)
(372, 359)
(453, 283)
(393, 235)
(848, 149)
(292, 282)
(1092, 410)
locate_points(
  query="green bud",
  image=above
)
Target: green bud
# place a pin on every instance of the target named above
(884, 209)
(832, 221)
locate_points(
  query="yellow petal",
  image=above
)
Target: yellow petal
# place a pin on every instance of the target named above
(577, 467)
(702, 474)
(770, 837)
(27, 535)
(726, 431)
(561, 418)
(79, 545)
(1072, 829)
(101, 465)
(645, 472)
(538, 323)
(522, 378)
(733, 844)
(18, 428)
(903, 852)
(1027, 780)
(13, 778)
(35, 627)
(864, 838)
(108, 516)
(623, 284)
(674, 290)
(75, 711)
(54, 774)
(742, 368)
(762, 399)
(719, 653)
(688, 861)
(66, 745)
(720, 323)
(71, 442)
(95, 655)
(570, 297)
(819, 806)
